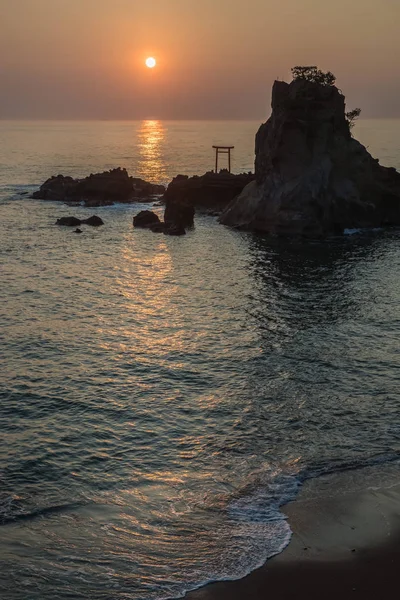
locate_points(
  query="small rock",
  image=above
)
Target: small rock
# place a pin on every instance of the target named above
(77, 230)
(145, 219)
(94, 221)
(68, 221)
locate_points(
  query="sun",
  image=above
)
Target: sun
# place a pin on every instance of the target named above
(151, 62)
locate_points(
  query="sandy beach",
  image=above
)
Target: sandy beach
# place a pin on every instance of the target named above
(345, 543)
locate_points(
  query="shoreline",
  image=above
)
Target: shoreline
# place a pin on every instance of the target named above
(345, 543)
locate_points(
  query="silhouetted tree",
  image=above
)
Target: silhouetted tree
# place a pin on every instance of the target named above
(314, 75)
(352, 115)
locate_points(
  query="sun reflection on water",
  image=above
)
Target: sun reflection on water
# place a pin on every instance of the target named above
(151, 140)
(153, 325)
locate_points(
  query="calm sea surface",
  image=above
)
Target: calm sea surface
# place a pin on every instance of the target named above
(161, 397)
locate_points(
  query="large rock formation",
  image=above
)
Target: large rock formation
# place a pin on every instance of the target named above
(312, 177)
(210, 192)
(99, 189)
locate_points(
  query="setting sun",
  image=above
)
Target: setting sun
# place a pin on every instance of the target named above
(150, 62)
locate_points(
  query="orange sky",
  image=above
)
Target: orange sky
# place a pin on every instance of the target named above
(216, 58)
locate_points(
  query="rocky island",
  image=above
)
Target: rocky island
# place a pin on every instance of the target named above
(312, 178)
(99, 189)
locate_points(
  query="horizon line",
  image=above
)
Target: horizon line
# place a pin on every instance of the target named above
(139, 119)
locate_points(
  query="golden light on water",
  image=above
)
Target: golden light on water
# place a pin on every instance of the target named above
(151, 148)
(151, 62)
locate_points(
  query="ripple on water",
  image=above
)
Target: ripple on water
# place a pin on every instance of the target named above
(162, 397)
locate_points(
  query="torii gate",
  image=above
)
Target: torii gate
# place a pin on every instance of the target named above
(223, 150)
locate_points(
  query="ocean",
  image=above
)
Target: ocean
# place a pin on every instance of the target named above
(161, 397)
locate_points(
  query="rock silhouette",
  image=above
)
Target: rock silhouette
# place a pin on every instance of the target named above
(146, 219)
(179, 213)
(68, 221)
(210, 192)
(312, 178)
(100, 189)
(94, 221)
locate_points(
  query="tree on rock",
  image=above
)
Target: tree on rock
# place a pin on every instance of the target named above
(314, 75)
(352, 115)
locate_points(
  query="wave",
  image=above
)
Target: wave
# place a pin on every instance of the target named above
(252, 529)
(260, 502)
(361, 230)
(8, 519)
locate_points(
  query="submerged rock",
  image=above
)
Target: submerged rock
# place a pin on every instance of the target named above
(174, 230)
(100, 189)
(157, 227)
(312, 177)
(211, 191)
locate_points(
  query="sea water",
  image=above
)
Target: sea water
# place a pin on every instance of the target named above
(162, 397)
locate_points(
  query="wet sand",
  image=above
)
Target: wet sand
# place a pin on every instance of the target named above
(345, 544)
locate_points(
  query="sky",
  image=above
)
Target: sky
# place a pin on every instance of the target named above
(216, 59)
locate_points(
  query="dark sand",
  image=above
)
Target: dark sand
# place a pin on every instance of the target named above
(345, 544)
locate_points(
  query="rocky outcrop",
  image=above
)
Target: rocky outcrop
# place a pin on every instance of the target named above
(312, 178)
(100, 189)
(93, 221)
(211, 192)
